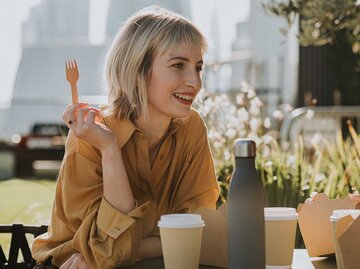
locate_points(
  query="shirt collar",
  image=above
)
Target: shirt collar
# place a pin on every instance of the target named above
(123, 129)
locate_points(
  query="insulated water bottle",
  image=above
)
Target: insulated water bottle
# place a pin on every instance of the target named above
(246, 227)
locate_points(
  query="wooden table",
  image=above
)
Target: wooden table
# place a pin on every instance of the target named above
(301, 261)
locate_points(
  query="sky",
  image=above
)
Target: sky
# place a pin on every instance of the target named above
(14, 12)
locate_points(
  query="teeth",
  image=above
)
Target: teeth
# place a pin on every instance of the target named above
(182, 96)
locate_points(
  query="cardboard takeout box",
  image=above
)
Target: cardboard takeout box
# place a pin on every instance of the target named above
(314, 223)
(214, 238)
(347, 236)
(316, 227)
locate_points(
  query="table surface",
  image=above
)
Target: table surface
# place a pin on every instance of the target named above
(301, 261)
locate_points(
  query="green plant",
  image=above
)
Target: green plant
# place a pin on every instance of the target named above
(321, 20)
(289, 177)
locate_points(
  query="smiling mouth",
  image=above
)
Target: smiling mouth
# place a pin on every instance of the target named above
(184, 98)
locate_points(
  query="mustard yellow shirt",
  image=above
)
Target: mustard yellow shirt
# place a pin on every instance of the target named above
(182, 179)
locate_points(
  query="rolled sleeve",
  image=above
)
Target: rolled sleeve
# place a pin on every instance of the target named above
(113, 222)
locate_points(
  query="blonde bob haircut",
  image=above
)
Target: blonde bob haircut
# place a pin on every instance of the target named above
(145, 35)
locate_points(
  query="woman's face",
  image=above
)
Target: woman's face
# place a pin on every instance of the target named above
(174, 82)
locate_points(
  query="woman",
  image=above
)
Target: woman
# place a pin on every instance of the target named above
(144, 155)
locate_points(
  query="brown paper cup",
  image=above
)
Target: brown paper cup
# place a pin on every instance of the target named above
(280, 230)
(181, 236)
(338, 228)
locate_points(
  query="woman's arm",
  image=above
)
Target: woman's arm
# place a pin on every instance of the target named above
(117, 189)
(150, 248)
(84, 122)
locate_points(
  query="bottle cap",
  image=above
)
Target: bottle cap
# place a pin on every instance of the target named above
(244, 148)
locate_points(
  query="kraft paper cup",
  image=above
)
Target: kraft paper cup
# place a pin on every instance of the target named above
(334, 218)
(280, 230)
(181, 236)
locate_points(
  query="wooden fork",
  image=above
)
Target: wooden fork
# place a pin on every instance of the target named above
(72, 76)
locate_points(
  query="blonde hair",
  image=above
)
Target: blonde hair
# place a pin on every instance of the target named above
(145, 35)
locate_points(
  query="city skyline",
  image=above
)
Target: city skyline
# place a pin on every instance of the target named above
(202, 13)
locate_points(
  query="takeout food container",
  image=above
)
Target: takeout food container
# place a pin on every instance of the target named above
(316, 227)
(214, 239)
(346, 227)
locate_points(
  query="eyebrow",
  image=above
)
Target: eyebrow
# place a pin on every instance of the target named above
(184, 59)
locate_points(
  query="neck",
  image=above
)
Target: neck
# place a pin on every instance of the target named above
(154, 129)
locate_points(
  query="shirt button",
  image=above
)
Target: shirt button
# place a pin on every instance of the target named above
(161, 157)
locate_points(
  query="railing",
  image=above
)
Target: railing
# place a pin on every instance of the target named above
(331, 118)
(19, 243)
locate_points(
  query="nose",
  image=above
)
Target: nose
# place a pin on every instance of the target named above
(193, 80)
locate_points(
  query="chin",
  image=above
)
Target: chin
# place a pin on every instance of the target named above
(184, 113)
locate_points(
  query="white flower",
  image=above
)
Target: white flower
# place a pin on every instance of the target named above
(240, 99)
(291, 160)
(266, 151)
(267, 139)
(278, 115)
(310, 114)
(268, 163)
(305, 187)
(267, 122)
(319, 177)
(286, 107)
(217, 144)
(254, 124)
(230, 133)
(256, 102)
(243, 115)
(316, 139)
(254, 110)
(251, 94)
(227, 155)
(211, 134)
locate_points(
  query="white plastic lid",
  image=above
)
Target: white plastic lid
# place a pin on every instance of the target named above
(340, 213)
(280, 213)
(181, 221)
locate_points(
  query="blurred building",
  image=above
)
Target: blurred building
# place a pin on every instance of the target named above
(264, 58)
(270, 59)
(57, 30)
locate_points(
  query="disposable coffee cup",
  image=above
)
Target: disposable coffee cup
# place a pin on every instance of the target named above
(334, 218)
(181, 236)
(280, 230)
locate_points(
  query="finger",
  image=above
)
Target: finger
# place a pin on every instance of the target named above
(79, 263)
(355, 197)
(70, 112)
(74, 108)
(313, 195)
(90, 118)
(67, 264)
(83, 264)
(98, 116)
(82, 113)
(64, 115)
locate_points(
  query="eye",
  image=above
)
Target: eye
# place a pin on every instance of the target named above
(199, 68)
(178, 65)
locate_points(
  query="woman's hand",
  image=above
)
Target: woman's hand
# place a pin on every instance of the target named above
(76, 261)
(84, 122)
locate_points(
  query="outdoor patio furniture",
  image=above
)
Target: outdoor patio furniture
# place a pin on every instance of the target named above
(19, 242)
